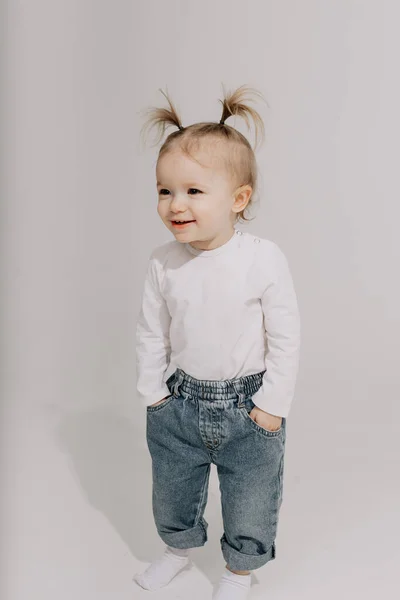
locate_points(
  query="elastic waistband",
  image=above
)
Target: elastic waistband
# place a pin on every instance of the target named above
(214, 389)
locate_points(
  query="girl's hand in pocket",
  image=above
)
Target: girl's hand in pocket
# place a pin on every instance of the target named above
(160, 401)
(266, 420)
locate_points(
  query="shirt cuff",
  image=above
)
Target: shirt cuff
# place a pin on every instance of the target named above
(273, 406)
(155, 397)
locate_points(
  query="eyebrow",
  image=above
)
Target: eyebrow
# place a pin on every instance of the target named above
(192, 184)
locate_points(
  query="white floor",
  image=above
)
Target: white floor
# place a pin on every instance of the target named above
(77, 520)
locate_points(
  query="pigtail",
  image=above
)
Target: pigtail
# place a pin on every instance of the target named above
(234, 103)
(161, 118)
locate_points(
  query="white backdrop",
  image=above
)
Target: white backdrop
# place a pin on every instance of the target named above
(78, 223)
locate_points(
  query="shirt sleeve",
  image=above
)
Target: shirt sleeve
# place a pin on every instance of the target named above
(282, 328)
(152, 338)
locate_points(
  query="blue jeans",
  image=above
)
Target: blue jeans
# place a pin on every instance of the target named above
(204, 422)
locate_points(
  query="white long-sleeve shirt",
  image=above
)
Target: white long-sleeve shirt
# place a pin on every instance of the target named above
(219, 314)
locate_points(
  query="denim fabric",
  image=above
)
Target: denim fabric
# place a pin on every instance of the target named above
(204, 422)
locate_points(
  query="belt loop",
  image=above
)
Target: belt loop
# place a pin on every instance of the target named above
(238, 387)
(177, 383)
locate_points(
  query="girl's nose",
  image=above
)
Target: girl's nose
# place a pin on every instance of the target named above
(178, 201)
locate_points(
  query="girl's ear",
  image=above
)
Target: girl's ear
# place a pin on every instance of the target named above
(242, 197)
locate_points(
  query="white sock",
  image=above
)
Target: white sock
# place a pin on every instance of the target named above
(161, 571)
(233, 586)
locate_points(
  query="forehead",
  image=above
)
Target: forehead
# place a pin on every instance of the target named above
(177, 166)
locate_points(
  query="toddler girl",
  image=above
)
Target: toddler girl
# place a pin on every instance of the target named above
(217, 352)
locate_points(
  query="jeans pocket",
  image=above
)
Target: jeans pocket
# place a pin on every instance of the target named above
(247, 408)
(154, 408)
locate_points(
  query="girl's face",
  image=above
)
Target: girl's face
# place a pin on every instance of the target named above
(188, 191)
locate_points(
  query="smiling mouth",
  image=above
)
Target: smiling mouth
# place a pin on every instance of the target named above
(178, 223)
(181, 220)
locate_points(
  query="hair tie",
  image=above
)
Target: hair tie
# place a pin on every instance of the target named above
(221, 122)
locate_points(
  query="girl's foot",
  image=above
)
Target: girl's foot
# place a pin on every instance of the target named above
(161, 571)
(233, 586)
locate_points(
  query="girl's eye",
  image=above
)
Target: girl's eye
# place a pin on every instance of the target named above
(192, 191)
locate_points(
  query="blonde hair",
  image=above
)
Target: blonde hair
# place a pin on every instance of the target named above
(237, 155)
